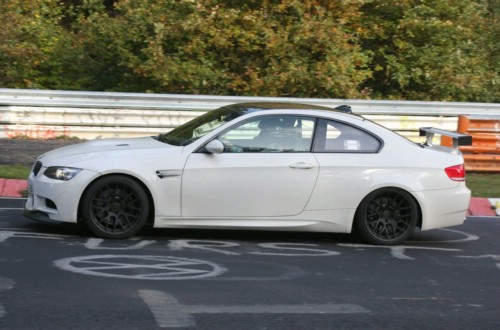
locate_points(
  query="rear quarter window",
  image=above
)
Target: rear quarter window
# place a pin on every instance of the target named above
(334, 136)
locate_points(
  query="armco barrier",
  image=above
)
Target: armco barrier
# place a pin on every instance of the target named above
(48, 114)
(484, 153)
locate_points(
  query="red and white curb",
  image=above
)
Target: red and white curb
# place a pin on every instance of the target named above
(495, 205)
(489, 207)
(12, 187)
(484, 207)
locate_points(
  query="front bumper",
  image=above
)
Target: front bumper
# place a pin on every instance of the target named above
(55, 200)
(38, 216)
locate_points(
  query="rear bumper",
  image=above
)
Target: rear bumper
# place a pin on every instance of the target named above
(444, 208)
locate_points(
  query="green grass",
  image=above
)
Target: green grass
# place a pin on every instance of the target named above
(14, 171)
(481, 184)
(484, 184)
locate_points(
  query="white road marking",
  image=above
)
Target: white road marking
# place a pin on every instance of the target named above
(168, 312)
(6, 234)
(95, 244)
(287, 273)
(495, 257)
(398, 251)
(213, 246)
(5, 284)
(220, 246)
(217, 246)
(141, 267)
(468, 237)
(278, 309)
(286, 246)
(18, 229)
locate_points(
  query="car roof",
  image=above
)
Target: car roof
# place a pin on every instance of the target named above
(263, 106)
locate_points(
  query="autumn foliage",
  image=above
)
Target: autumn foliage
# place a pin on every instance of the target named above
(405, 49)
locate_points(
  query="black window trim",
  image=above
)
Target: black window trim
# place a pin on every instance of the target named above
(316, 120)
(202, 149)
(326, 120)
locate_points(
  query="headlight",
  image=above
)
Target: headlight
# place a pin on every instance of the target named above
(61, 173)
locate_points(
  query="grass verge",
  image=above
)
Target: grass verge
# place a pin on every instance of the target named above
(481, 184)
(14, 171)
(484, 184)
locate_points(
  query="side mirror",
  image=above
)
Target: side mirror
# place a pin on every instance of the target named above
(215, 147)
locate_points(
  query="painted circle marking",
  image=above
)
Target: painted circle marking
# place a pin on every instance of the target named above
(140, 267)
(468, 237)
(6, 283)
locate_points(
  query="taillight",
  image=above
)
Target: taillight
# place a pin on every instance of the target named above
(456, 173)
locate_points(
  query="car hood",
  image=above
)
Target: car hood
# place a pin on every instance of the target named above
(104, 149)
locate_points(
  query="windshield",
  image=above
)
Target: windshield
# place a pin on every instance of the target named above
(200, 126)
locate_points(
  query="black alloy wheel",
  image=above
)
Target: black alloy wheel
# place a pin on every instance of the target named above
(115, 206)
(387, 216)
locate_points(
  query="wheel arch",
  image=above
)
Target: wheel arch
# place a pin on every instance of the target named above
(150, 220)
(409, 192)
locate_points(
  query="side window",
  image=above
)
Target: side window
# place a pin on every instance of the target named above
(282, 133)
(333, 136)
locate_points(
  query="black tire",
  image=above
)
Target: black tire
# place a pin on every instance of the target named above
(387, 216)
(115, 207)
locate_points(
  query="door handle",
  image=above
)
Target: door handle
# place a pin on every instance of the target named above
(302, 166)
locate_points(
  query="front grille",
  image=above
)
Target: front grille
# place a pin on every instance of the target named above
(37, 167)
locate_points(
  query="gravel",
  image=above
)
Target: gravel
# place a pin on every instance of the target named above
(25, 152)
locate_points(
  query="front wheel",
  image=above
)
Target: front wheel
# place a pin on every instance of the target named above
(115, 207)
(387, 216)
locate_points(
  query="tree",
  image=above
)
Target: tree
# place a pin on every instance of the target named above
(429, 50)
(35, 50)
(228, 47)
(406, 49)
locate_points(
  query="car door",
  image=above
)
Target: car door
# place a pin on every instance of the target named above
(349, 157)
(265, 170)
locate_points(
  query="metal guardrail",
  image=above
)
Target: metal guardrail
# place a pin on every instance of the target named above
(108, 100)
(48, 114)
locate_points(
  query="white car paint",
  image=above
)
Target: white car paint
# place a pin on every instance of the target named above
(271, 190)
(268, 184)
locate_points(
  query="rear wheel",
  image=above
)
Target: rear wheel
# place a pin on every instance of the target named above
(387, 216)
(115, 207)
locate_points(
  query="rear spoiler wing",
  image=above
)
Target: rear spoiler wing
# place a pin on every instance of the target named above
(458, 138)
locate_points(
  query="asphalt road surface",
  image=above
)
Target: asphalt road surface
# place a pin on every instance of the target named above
(58, 277)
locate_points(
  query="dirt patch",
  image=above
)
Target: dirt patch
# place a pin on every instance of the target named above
(25, 152)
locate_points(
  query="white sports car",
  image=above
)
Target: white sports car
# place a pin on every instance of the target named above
(266, 166)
